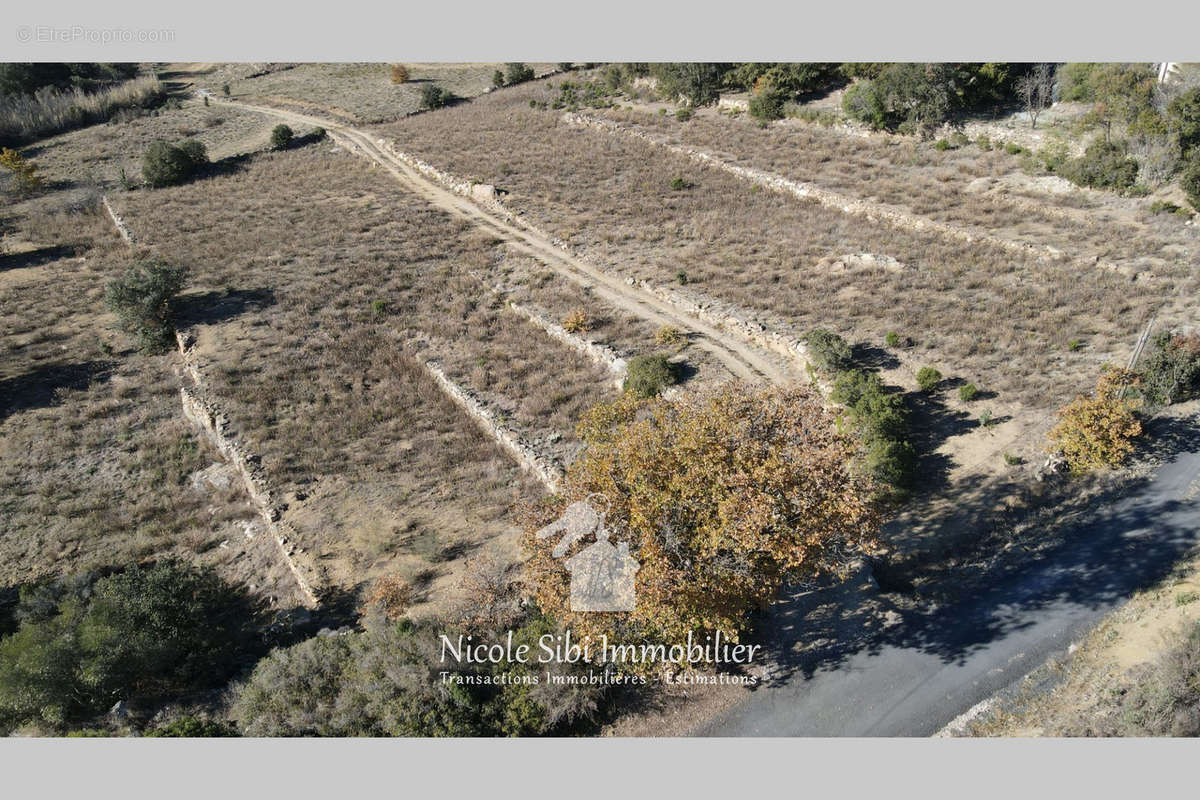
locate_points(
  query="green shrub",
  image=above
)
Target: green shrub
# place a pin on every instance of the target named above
(1013, 460)
(942, 145)
(387, 681)
(680, 183)
(1171, 370)
(144, 632)
(164, 164)
(683, 114)
(1075, 345)
(142, 300)
(1189, 181)
(498, 79)
(195, 151)
(928, 379)
(189, 727)
(882, 421)
(1102, 166)
(1183, 119)
(829, 351)
(516, 72)
(766, 101)
(433, 97)
(681, 277)
(968, 392)
(648, 375)
(281, 137)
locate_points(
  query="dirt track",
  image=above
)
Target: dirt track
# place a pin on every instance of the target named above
(742, 360)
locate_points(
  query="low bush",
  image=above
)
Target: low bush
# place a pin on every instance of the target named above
(1103, 165)
(399, 73)
(882, 420)
(281, 137)
(386, 680)
(968, 392)
(1171, 370)
(928, 379)
(892, 339)
(142, 300)
(165, 164)
(578, 321)
(1098, 431)
(766, 101)
(669, 336)
(829, 351)
(683, 114)
(26, 180)
(1165, 700)
(680, 183)
(648, 375)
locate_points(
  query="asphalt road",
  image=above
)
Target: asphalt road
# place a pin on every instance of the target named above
(914, 677)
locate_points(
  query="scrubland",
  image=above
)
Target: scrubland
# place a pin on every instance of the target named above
(981, 313)
(318, 288)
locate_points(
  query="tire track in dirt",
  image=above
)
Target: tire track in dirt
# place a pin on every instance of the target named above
(741, 359)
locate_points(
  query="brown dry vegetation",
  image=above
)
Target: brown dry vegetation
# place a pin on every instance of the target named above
(914, 176)
(318, 287)
(979, 311)
(95, 156)
(351, 92)
(97, 460)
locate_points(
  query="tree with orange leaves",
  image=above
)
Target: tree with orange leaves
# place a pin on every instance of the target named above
(721, 496)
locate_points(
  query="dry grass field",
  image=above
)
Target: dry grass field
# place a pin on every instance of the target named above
(99, 467)
(979, 190)
(318, 287)
(357, 93)
(977, 312)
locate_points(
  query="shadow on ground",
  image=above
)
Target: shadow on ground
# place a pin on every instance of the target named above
(39, 387)
(954, 601)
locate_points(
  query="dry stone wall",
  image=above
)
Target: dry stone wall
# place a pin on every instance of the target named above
(544, 468)
(214, 424)
(848, 205)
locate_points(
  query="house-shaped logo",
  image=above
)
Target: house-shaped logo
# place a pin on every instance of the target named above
(602, 574)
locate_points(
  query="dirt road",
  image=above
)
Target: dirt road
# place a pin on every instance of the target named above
(741, 359)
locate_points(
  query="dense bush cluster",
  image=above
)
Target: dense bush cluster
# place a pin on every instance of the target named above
(827, 350)
(84, 643)
(916, 97)
(1171, 369)
(882, 420)
(165, 164)
(142, 300)
(387, 681)
(281, 137)
(1104, 165)
(433, 97)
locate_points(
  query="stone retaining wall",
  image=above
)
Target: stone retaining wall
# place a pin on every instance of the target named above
(809, 191)
(544, 468)
(213, 423)
(118, 223)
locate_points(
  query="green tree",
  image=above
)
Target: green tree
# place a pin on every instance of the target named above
(648, 375)
(164, 164)
(698, 83)
(1183, 119)
(142, 299)
(281, 137)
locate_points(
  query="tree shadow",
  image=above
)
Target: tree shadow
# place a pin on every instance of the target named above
(931, 422)
(955, 599)
(206, 308)
(41, 386)
(869, 357)
(36, 258)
